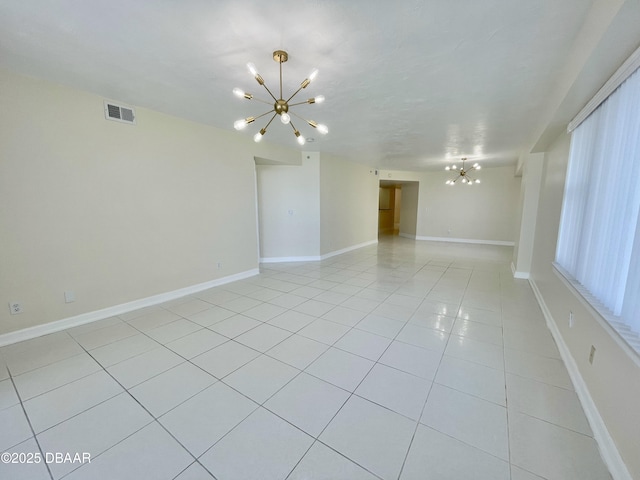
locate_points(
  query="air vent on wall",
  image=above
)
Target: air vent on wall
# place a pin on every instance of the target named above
(119, 113)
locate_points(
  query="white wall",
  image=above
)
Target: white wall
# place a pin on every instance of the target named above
(114, 212)
(486, 212)
(348, 204)
(289, 208)
(613, 381)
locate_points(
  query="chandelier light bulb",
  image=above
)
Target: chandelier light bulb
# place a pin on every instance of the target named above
(285, 118)
(477, 181)
(301, 140)
(453, 167)
(257, 137)
(464, 180)
(447, 168)
(238, 93)
(478, 167)
(240, 124)
(313, 74)
(252, 69)
(323, 129)
(318, 99)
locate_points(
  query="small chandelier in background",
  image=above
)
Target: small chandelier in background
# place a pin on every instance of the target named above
(281, 106)
(463, 173)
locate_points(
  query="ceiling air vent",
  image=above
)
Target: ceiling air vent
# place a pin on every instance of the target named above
(119, 113)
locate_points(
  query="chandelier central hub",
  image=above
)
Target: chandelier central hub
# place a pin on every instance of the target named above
(280, 106)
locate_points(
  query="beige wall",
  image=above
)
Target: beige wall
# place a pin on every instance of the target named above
(409, 208)
(348, 204)
(528, 210)
(484, 212)
(114, 212)
(613, 381)
(289, 208)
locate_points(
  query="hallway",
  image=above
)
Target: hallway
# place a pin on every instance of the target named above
(404, 360)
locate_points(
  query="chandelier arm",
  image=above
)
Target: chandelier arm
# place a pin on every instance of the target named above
(269, 122)
(296, 115)
(262, 101)
(294, 94)
(267, 89)
(263, 114)
(299, 103)
(294, 128)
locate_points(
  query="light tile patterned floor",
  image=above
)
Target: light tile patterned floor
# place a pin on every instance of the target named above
(405, 360)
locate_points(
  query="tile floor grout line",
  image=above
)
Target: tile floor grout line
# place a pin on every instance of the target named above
(33, 432)
(153, 417)
(334, 272)
(352, 394)
(424, 405)
(506, 396)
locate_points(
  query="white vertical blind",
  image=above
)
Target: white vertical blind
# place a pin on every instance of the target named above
(599, 238)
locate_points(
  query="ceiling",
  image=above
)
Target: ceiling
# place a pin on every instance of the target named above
(408, 84)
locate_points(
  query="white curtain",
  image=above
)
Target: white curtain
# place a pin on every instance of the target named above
(599, 238)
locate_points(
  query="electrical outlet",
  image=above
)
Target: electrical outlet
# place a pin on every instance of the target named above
(69, 296)
(15, 308)
(592, 354)
(570, 319)
(219, 265)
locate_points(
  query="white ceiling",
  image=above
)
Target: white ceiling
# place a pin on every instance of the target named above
(409, 84)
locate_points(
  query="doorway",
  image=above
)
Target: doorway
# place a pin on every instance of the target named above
(397, 208)
(389, 205)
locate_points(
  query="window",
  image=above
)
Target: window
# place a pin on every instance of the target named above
(599, 239)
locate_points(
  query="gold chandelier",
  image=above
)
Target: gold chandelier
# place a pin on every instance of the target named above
(463, 173)
(280, 107)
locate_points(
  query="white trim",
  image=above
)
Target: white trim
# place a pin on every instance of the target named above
(407, 235)
(518, 274)
(317, 258)
(349, 249)
(58, 325)
(628, 67)
(466, 240)
(607, 446)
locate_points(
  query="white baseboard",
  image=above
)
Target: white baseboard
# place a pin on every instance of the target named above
(290, 259)
(517, 274)
(607, 446)
(317, 258)
(349, 249)
(463, 240)
(58, 325)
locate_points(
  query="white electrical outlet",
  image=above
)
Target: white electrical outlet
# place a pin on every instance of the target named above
(15, 308)
(69, 296)
(570, 319)
(219, 265)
